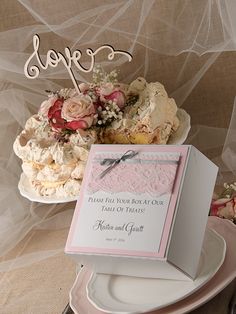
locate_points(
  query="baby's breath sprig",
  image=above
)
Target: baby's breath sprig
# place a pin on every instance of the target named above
(64, 93)
(100, 76)
(112, 77)
(108, 113)
(229, 190)
(93, 95)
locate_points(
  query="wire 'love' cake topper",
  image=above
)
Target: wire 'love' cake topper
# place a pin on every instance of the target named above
(53, 58)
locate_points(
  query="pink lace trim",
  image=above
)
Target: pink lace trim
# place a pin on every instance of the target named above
(151, 174)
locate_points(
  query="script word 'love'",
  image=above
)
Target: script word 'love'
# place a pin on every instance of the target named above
(53, 58)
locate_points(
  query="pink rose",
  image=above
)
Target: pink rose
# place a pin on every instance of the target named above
(118, 97)
(78, 112)
(46, 105)
(224, 207)
(106, 89)
(54, 115)
(110, 92)
(75, 125)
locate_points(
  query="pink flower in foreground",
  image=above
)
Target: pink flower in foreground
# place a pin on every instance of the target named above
(110, 92)
(118, 97)
(75, 125)
(54, 115)
(224, 208)
(78, 112)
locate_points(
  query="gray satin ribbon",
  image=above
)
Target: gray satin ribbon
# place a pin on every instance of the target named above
(113, 162)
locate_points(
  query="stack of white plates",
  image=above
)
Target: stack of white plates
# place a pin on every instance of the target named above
(100, 293)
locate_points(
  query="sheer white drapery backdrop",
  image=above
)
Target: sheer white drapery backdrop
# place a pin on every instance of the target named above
(176, 42)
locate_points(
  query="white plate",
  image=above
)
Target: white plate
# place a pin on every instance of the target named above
(227, 273)
(128, 295)
(178, 137)
(27, 191)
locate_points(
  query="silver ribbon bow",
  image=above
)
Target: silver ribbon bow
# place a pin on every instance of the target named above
(113, 162)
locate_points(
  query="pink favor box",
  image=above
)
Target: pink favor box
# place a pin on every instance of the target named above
(142, 210)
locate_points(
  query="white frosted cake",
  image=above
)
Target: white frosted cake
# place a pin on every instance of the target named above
(55, 142)
(149, 120)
